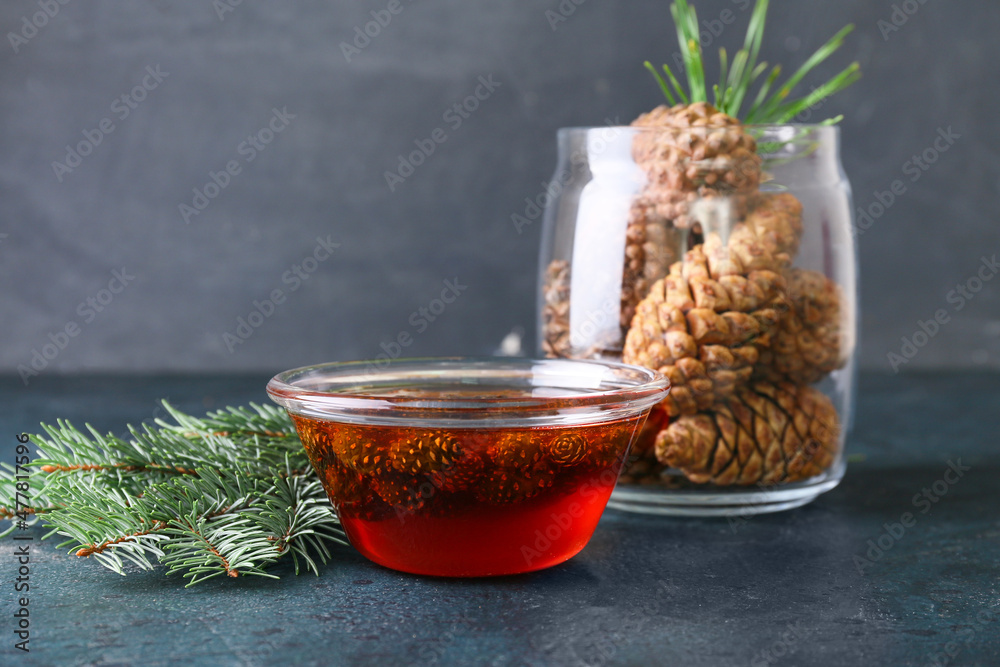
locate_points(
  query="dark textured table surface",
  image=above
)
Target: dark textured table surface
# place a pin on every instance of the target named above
(796, 588)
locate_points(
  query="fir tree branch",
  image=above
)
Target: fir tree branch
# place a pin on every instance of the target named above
(227, 494)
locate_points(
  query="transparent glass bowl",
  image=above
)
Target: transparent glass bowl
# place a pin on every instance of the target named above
(625, 207)
(466, 467)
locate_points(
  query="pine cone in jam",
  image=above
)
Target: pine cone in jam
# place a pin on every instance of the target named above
(356, 453)
(508, 485)
(515, 450)
(317, 442)
(462, 474)
(346, 485)
(422, 451)
(765, 434)
(567, 449)
(402, 491)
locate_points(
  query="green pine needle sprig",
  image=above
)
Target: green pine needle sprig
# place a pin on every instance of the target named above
(773, 103)
(228, 494)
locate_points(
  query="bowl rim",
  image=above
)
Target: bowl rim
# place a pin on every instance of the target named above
(646, 388)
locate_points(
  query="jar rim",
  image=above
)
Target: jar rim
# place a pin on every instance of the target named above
(662, 128)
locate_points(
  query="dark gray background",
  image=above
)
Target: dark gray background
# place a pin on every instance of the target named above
(323, 176)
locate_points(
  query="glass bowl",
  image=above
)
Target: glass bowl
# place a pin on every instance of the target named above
(468, 467)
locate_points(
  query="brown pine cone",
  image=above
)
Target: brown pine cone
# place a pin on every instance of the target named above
(652, 245)
(423, 451)
(317, 442)
(515, 450)
(775, 220)
(343, 484)
(567, 449)
(555, 311)
(694, 149)
(702, 325)
(769, 235)
(641, 470)
(805, 345)
(557, 339)
(508, 485)
(359, 454)
(689, 153)
(641, 466)
(765, 434)
(462, 474)
(402, 491)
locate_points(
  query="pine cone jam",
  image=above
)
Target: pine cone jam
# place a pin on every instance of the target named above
(473, 475)
(464, 512)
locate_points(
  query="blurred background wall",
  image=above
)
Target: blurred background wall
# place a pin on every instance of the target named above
(166, 166)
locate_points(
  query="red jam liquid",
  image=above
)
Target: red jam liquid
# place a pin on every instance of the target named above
(467, 502)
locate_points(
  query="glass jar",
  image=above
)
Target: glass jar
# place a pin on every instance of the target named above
(725, 258)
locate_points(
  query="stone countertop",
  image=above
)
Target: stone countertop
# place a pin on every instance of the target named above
(803, 587)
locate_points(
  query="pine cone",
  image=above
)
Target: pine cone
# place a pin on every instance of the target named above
(557, 340)
(461, 475)
(508, 485)
(423, 451)
(805, 346)
(326, 446)
(701, 165)
(317, 442)
(567, 449)
(343, 484)
(690, 153)
(772, 229)
(652, 244)
(702, 325)
(361, 455)
(642, 470)
(694, 149)
(402, 491)
(775, 220)
(555, 311)
(765, 434)
(515, 450)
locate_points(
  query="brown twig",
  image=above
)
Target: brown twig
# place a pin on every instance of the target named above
(227, 434)
(157, 525)
(99, 548)
(282, 542)
(88, 467)
(7, 513)
(225, 563)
